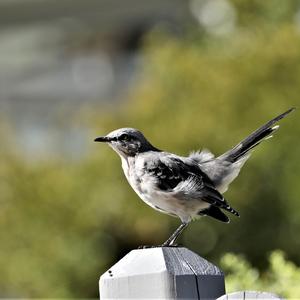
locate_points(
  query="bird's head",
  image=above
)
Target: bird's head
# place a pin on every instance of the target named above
(127, 142)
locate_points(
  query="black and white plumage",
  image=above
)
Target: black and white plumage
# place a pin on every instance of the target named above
(186, 187)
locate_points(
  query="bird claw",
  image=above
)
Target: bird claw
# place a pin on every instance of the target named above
(146, 247)
(158, 246)
(170, 246)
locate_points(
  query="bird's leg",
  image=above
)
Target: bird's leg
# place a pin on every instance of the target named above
(172, 239)
(170, 242)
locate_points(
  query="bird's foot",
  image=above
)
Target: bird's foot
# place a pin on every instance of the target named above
(146, 247)
(158, 246)
(170, 245)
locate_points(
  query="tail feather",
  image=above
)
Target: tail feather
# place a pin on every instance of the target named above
(214, 212)
(254, 139)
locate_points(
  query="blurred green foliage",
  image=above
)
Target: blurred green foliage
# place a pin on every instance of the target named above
(63, 223)
(281, 277)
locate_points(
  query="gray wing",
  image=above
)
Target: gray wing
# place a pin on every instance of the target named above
(174, 175)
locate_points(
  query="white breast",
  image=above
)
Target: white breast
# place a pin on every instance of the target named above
(167, 202)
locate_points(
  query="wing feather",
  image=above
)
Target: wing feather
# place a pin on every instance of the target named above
(175, 175)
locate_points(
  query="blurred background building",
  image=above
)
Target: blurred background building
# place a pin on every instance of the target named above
(56, 56)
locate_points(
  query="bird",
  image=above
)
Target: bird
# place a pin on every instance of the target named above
(185, 187)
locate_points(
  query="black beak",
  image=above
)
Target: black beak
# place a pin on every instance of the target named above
(102, 139)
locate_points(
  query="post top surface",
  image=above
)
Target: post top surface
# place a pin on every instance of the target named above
(173, 260)
(177, 258)
(162, 273)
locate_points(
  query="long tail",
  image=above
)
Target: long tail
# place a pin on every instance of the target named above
(254, 139)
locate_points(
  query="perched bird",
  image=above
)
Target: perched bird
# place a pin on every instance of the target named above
(186, 187)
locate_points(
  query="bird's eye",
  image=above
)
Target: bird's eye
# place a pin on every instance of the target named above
(124, 137)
